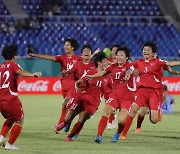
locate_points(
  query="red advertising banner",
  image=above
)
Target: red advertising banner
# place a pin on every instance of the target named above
(42, 85)
(173, 84)
(52, 85)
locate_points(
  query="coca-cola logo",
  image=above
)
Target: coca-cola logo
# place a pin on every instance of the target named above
(38, 86)
(57, 86)
(173, 86)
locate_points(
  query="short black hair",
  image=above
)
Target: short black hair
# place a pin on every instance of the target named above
(86, 46)
(98, 58)
(125, 50)
(152, 45)
(115, 45)
(9, 51)
(73, 42)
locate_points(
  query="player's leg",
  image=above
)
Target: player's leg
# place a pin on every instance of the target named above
(129, 119)
(108, 110)
(14, 134)
(121, 124)
(112, 121)
(68, 118)
(83, 117)
(140, 118)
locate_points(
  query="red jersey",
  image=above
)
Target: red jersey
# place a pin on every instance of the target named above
(80, 68)
(96, 87)
(122, 89)
(149, 72)
(66, 64)
(8, 80)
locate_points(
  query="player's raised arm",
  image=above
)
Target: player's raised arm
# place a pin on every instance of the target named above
(47, 57)
(28, 74)
(172, 71)
(173, 63)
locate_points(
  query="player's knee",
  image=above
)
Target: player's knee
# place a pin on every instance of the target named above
(154, 120)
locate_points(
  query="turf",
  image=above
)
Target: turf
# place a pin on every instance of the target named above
(42, 112)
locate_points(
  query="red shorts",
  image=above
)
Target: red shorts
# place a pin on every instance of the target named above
(12, 109)
(83, 102)
(160, 97)
(68, 93)
(119, 103)
(147, 97)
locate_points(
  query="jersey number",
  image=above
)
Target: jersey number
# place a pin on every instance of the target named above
(118, 74)
(5, 84)
(99, 83)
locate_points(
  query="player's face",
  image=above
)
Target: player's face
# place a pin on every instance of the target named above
(68, 48)
(121, 57)
(103, 64)
(147, 52)
(113, 52)
(86, 54)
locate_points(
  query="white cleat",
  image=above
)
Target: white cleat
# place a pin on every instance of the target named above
(2, 140)
(10, 147)
(114, 122)
(109, 126)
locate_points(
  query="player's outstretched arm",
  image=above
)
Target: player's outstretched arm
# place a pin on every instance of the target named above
(47, 57)
(170, 70)
(173, 63)
(28, 74)
(99, 74)
(96, 52)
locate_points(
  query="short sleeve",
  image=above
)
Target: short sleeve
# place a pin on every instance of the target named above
(58, 58)
(16, 67)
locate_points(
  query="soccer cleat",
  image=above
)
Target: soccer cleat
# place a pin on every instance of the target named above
(122, 137)
(114, 122)
(98, 139)
(67, 127)
(75, 136)
(68, 139)
(10, 147)
(109, 126)
(138, 130)
(115, 138)
(2, 140)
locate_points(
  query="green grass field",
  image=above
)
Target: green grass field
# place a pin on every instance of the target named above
(42, 112)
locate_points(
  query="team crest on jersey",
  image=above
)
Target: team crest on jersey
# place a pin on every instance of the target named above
(124, 69)
(151, 64)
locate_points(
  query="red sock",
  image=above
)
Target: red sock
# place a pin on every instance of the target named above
(6, 127)
(102, 125)
(159, 115)
(139, 121)
(63, 114)
(77, 127)
(16, 130)
(128, 123)
(111, 118)
(120, 128)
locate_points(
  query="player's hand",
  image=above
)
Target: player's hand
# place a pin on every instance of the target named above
(127, 76)
(97, 51)
(65, 73)
(37, 74)
(77, 88)
(31, 55)
(89, 77)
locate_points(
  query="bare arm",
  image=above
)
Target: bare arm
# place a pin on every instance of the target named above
(77, 84)
(170, 70)
(173, 63)
(99, 74)
(28, 74)
(47, 57)
(96, 52)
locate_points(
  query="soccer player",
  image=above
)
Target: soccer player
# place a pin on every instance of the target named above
(168, 101)
(86, 102)
(122, 94)
(66, 61)
(114, 48)
(10, 105)
(147, 93)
